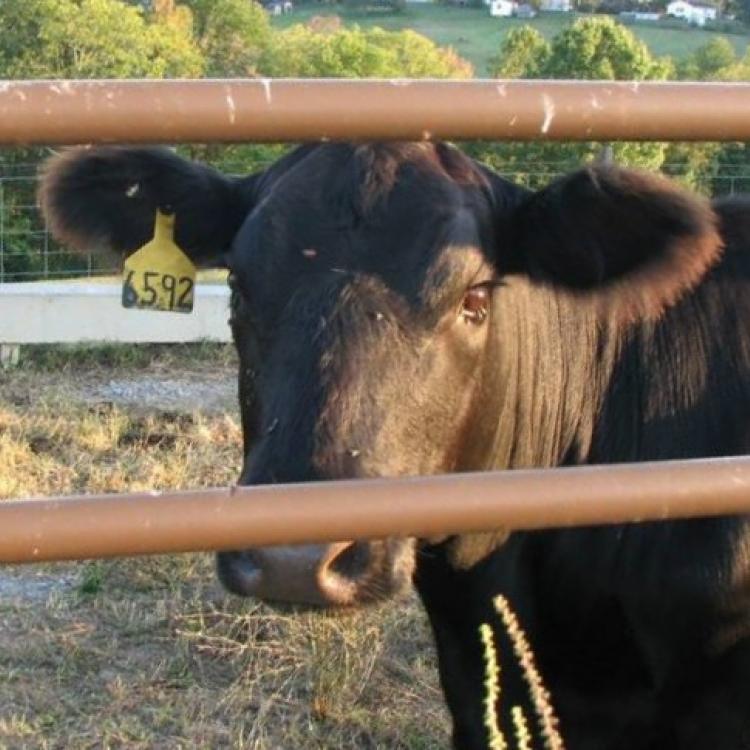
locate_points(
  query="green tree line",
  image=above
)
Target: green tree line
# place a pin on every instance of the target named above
(234, 38)
(597, 47)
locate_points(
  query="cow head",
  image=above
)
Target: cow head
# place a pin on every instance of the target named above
(369, 290)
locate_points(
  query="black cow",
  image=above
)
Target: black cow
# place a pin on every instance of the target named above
(400, 309)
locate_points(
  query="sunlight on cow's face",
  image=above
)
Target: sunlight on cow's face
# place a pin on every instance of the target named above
(360, 330)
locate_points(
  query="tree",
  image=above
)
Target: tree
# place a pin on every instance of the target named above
(358, 53)
(713, 168)
(327, 50)
(739, 7)
(599, 48)
(523, 54)
(171, 30)
(80, 39)
(715, 60)
(591, 48)
(91, 39)
(231, 34)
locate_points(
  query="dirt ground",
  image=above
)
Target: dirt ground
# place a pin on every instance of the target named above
(150, 652)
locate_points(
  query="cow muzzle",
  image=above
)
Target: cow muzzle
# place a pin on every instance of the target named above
(343, 574)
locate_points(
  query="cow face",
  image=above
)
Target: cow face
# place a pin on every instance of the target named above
(368, 290)
(362, 286)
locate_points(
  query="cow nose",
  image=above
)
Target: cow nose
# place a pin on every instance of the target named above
(325, 575)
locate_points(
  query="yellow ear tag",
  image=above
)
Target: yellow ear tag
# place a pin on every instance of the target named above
(159, 276)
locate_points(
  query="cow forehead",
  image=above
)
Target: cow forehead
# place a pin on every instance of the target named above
(414, 253)
(418, 231)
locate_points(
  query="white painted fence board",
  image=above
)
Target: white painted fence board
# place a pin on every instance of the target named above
(57, 313)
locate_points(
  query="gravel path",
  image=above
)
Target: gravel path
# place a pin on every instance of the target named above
(196, 392)
(26, 584)
(181, 390)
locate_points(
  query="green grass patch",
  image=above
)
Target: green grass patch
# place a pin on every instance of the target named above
(71, 357)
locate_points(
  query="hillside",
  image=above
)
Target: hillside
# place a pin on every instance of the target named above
(476, 36)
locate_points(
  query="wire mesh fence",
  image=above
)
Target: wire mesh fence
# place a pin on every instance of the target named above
(29, 253)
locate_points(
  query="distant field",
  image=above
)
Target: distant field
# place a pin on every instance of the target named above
(476, 36)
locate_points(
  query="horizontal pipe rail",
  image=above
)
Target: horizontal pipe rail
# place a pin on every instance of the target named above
(237, 110)
(231, 518)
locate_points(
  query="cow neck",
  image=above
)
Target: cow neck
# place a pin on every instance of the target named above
(548, 362)
(551, 361)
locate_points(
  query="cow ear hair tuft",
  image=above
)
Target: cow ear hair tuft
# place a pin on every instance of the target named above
(630, 241)
(106, 198)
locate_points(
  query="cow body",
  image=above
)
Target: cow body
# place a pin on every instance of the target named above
(401, 310)
(640, 630)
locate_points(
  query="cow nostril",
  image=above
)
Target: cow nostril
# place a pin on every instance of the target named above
(342, 572)
(239, 572)
(351, 562)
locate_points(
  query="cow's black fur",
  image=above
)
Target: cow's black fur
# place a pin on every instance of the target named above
(618, 330)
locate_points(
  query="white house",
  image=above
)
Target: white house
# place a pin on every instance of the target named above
(703, 13)
(692, 13)
(679, 9)
(502, 8)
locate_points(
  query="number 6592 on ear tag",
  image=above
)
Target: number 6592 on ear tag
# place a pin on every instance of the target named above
(159, 276)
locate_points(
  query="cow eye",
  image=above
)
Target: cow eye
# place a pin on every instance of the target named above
(475, 305)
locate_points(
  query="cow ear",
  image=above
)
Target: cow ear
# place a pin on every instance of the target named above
(632, 241)
(107, 197)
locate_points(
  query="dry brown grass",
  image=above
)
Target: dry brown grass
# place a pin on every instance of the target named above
(150, 653)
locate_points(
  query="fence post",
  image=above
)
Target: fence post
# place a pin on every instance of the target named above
(606, 156)
(9, 355)
(45, 251)
(2, 231)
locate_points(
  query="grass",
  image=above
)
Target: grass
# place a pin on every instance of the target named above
(150, 652)
(98, 359)
(476, 36)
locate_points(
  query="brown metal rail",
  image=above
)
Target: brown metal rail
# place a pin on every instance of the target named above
(232, 518)
(60, 112)
(291, 110)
